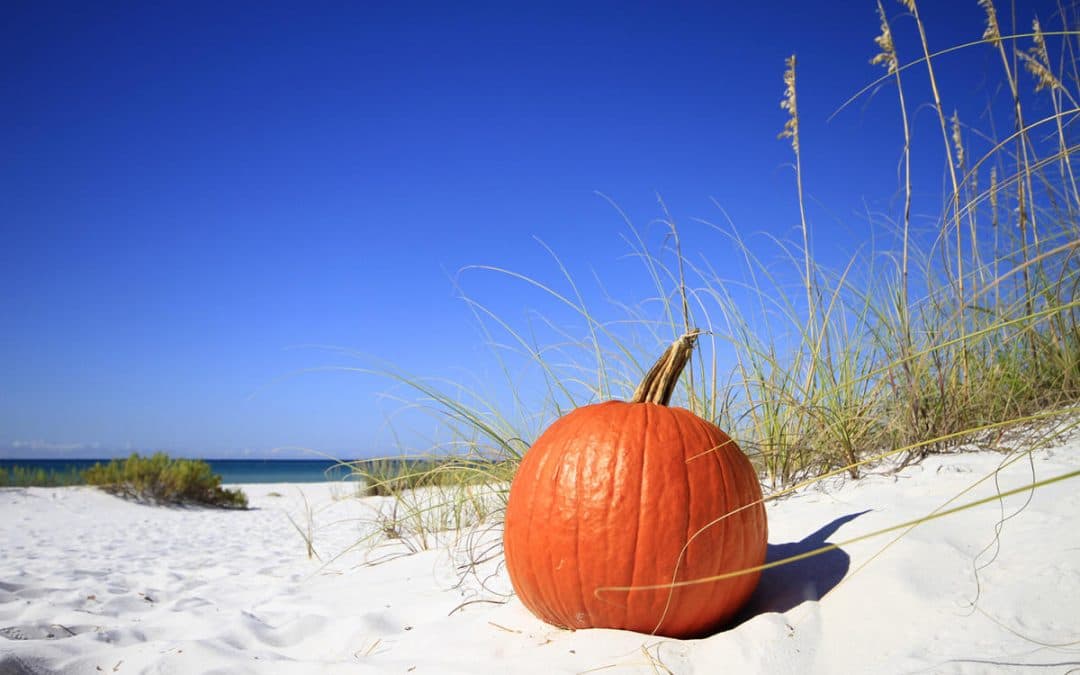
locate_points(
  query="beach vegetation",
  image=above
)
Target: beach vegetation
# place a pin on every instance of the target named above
(163, 479)
(956, 326)
(29, 476)
(306, 528)
(431, 496)
(384, 477)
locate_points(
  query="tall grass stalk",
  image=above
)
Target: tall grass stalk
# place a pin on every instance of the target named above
(791, 130)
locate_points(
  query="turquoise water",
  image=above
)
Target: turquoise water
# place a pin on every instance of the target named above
(230, 470)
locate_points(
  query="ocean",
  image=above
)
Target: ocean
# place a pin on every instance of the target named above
(230, 470)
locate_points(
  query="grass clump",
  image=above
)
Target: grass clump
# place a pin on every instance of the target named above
(431, 496)
(162, 479)
(385, 477)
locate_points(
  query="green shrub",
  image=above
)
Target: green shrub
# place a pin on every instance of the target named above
(160, 478)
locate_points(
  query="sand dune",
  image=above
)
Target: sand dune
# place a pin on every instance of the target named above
(90, 583)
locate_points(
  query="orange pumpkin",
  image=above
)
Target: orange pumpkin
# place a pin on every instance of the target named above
(621, 495)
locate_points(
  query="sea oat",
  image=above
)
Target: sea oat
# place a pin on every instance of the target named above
(791, 127)
(957, 140)
(1037, 61)
(1040, 43)
(994, 192)
(791, 130)
(993, 31)
(884, 41)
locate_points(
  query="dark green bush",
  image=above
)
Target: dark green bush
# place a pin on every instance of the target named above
(160, 478)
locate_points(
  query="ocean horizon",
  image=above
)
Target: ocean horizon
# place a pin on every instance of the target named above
(231, 470)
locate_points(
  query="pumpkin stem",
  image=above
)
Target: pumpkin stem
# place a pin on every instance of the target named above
(659, 383)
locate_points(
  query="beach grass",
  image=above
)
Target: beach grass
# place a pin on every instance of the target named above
(388, 476)
(431, 496)
(933, 342)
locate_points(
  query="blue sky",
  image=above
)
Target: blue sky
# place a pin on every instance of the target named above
(192, 192)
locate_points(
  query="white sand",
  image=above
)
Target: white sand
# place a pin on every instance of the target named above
(127, 588)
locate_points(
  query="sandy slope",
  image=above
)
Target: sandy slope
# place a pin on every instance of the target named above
(90, 583)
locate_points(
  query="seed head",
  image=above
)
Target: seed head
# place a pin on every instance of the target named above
(788, 103)
(887, 55)
(993, 31)
(1037, 61)
(957, 139)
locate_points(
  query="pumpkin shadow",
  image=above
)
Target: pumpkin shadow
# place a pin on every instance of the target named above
(787, 586)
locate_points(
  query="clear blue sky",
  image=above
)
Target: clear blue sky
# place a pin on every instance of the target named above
(190, 191)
